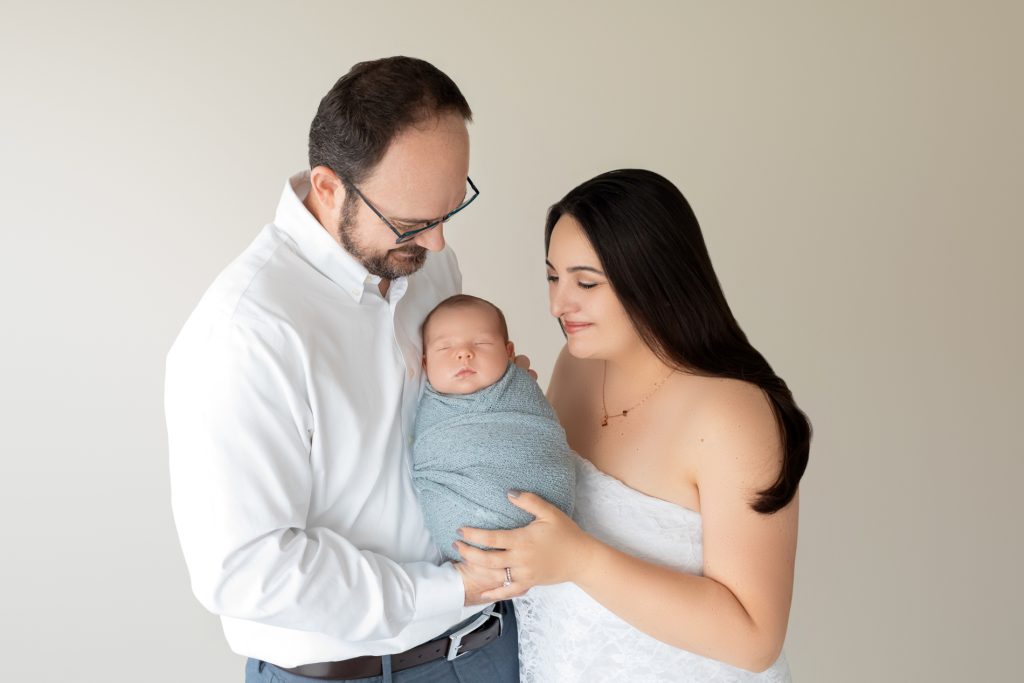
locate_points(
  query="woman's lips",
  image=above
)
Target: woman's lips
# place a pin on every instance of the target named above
(574, 327)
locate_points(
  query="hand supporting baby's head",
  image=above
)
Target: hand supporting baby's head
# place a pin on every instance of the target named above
(465, 345)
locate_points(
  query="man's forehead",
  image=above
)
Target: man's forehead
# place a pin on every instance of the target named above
(422, 175)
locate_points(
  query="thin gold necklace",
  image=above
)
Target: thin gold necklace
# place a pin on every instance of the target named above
(625, 413)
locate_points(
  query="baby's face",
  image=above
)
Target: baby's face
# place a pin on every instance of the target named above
(464, 350)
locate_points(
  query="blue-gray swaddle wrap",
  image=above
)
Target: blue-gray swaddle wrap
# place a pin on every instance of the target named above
(469, 450)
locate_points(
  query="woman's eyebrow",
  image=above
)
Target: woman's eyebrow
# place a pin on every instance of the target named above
(576, 269)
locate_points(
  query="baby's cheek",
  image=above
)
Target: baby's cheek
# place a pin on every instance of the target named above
(430, 370)
(496, 367)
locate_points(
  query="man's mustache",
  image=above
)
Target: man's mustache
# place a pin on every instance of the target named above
(412, 251)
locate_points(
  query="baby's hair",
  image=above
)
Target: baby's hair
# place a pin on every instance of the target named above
(465, 301)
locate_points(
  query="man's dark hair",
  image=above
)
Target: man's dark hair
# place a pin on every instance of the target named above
(467, 301)
(371, 104)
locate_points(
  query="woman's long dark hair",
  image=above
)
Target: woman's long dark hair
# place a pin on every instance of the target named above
(653, 253)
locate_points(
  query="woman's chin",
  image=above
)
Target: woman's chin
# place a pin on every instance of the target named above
(578, 349)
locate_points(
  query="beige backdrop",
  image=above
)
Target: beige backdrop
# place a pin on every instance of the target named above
(857, 170)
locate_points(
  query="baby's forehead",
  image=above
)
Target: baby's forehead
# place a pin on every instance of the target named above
(465, 316)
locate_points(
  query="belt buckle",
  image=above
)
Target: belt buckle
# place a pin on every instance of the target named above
(455, 639)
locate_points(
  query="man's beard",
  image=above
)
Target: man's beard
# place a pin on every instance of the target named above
(383, 265)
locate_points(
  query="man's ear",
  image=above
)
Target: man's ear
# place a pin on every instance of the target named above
(511, 349)
(325, 186)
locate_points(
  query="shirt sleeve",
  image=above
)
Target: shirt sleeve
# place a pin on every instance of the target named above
(239, 432)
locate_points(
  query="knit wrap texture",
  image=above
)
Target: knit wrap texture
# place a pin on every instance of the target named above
(469, 450)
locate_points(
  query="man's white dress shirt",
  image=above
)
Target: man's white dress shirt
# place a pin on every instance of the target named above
(290, 396)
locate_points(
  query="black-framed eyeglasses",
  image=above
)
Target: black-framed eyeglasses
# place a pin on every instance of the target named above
(409, 234)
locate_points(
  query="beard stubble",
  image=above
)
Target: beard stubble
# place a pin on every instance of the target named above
(384, 265)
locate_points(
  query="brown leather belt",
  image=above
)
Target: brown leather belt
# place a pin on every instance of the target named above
(482, 630)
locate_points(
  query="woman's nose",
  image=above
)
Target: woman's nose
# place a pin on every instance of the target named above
(561, 302)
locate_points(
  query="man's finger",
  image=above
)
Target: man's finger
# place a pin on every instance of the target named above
(492, 559)
(485, 537)
(503, 593)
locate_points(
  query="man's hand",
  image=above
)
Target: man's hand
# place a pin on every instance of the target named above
(524, 363)
(477, 580)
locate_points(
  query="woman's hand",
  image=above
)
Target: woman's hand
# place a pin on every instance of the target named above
(551, 549)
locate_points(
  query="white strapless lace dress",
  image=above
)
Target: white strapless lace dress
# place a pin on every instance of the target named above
(566, 636)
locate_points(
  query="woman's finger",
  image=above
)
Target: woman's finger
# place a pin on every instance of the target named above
(532, 503)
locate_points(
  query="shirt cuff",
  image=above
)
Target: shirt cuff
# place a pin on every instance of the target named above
(439, 592)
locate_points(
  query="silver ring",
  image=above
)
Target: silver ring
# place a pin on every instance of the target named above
(508, 577)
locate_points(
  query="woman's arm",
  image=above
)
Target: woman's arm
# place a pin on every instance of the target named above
(738, 611)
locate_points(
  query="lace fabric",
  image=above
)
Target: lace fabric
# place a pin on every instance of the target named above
(566, 636)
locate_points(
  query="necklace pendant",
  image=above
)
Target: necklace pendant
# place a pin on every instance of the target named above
(624, 413)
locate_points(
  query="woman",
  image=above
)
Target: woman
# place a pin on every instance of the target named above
(679, 564)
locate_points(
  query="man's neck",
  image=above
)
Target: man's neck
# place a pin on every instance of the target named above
(318, 213)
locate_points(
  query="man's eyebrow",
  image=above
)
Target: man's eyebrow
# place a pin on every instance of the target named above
(576, 269)
(415, 221)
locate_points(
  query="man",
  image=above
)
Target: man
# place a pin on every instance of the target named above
(291, 394)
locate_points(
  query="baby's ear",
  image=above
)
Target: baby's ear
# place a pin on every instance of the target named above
(423, 361)
(511, 349)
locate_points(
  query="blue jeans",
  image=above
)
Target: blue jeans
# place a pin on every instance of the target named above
(497, 662)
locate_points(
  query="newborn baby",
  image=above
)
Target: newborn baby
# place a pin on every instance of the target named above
(483, 427)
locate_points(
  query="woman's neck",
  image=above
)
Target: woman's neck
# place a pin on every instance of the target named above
(635, 371)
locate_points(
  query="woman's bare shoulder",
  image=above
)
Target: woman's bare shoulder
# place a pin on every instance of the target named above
(733, 424)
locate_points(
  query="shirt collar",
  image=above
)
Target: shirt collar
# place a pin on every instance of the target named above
(317, 245)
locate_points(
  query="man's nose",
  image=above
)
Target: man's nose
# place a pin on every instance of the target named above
(431, 240)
